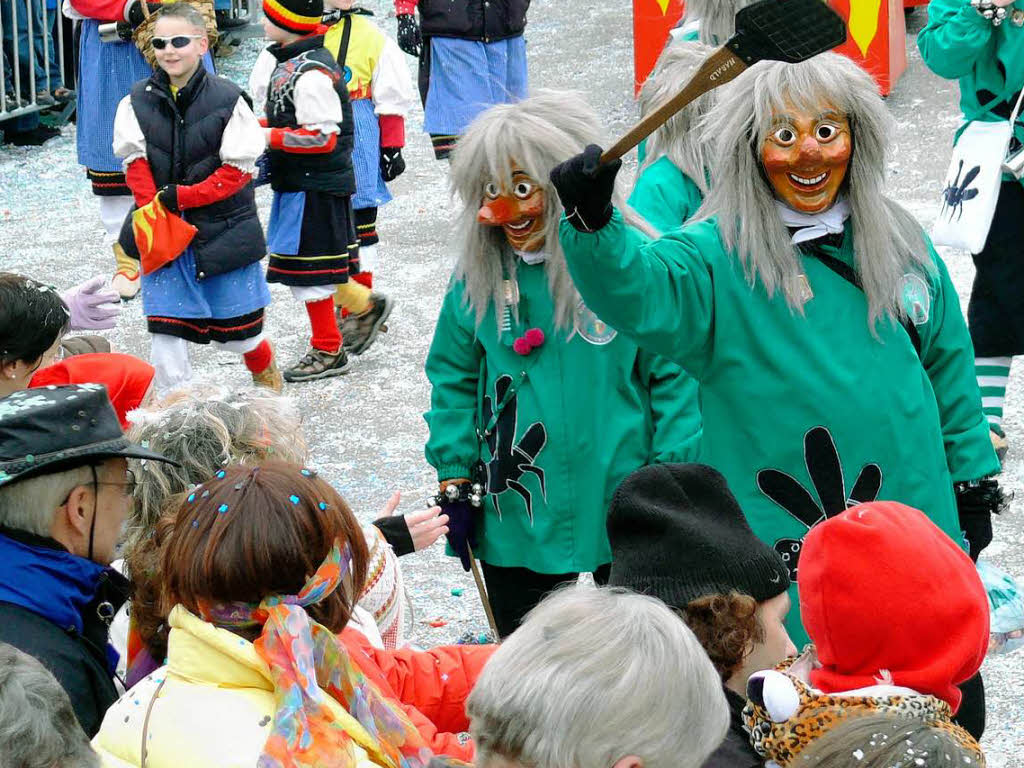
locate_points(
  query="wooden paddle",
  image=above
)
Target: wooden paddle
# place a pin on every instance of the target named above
(768, 30)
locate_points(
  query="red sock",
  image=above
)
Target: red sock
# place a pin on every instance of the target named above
(326, 335)
(260, 358)
(364, 278)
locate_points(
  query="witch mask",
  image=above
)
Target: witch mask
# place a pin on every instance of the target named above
(806, 155)
(518, 208)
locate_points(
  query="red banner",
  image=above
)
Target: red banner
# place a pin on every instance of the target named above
(652, 20)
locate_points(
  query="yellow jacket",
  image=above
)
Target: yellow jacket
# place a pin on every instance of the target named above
(214, 711)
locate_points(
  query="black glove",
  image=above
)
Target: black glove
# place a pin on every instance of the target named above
(392, 164)
(135, 14)
(409, 38)
(461, 529)
(585, 188)
(169, 198)
(262, 170)
(975, 503)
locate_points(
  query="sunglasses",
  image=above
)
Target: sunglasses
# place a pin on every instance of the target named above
(178, 41)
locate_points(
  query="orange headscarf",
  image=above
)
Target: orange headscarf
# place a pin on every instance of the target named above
(126, 378)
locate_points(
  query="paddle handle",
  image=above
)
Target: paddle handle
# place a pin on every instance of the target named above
(718, 68)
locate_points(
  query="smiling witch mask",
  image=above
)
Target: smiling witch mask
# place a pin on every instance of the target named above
(805, 157)
(518, 209)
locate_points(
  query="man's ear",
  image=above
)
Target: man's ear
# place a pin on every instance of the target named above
(78, 510)
(629, 761)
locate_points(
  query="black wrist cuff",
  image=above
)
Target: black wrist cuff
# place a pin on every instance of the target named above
(396, 533)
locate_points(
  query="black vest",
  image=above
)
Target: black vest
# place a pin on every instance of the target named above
(183, 138)
(484, 20)
(329, 172)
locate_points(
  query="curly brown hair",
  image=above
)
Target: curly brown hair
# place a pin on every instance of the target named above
(726, 626)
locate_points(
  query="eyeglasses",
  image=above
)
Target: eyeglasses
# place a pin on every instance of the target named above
(129, 485)
(178, 41)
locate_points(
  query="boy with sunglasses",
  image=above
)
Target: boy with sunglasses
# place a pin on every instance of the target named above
(191, 138)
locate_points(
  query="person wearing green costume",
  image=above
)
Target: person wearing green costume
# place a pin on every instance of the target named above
(986, 55)
(672, 179)
(834, 363)
(536, 405)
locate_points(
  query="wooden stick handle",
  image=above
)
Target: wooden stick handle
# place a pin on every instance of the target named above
(718, 68)
(482, 591)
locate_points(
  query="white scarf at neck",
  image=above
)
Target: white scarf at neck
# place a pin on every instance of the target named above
(532, 257)
(811, 226)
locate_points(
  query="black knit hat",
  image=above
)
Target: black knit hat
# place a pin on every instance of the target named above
(677, 533)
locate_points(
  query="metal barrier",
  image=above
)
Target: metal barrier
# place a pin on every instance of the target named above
(36, 61)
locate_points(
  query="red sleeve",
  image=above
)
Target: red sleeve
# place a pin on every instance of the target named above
(219, 185)
(301, 141)
(101, 10)
(392, 130)
(431, 685)
(405, 6)
(139, 178)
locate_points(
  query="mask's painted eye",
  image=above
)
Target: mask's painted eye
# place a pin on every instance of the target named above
(522, 189)
(826, 132)
(784, 136)
(491, 190)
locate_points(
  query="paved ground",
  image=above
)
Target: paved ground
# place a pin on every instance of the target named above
(366, 428)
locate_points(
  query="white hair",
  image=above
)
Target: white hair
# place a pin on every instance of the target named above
(533, 136)
(38, 727)
(678, 138)
(717, 18)
(594, 675)
(31, 505)
(889, 242)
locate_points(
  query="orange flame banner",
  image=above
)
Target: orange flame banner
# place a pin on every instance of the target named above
(652, 20)
(160, 236)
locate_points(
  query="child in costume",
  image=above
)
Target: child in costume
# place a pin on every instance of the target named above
(535, 402)
(380, 91)
(982, 47)
(312, 234)
(189, 142)
(833, 359)
(898, 617)
(674, 170)
(472, 55)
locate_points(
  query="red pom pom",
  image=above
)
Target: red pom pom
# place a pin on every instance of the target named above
(534, 337)
(522, 346)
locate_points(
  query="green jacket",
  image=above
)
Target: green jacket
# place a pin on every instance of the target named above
(783, 392)
(578, 416)
(665, 196)
(958, 43)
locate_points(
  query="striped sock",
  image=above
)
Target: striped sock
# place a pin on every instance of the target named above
(993, 373)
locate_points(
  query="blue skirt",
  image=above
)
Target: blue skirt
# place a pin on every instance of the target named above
(174, 291)
(467, 77)
(371, 191)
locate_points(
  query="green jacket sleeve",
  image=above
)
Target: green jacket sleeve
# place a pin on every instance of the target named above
(665, 197)
(954, 39)
(658, 293)
(453, 367)
(948, 358)
(674, 409)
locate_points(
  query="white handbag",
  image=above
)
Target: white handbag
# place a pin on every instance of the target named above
(971, 188)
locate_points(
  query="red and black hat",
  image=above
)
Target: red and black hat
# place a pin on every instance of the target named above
(298, 16)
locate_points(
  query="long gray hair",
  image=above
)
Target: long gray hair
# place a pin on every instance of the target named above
(678, 138)
(533, 136)
(889, 242)
(717, 18)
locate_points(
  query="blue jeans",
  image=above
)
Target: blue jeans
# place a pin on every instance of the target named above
(26, 45)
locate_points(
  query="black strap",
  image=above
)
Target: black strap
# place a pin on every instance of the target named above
(343, 46)
(848, 274)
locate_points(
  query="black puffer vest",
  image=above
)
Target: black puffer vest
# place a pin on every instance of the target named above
(294, 172)
(484, 20)
(183, 138)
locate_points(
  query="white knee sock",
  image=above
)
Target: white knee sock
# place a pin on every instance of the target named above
(170, 358)
(308, 293)
(113, 210)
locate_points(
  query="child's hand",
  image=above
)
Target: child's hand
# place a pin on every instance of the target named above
(409, 38)
(391, 163)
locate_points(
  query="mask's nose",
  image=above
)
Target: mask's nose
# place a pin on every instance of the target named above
(495, 213)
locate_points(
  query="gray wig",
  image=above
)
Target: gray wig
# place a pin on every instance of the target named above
(717, 18)
(38, 727)
(677, 139)
(533, 136)
(889, 241)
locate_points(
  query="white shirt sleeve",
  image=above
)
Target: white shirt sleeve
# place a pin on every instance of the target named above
(129, 143)
(391, 84)
(243, 140)
(259, 80)
(317, 106)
